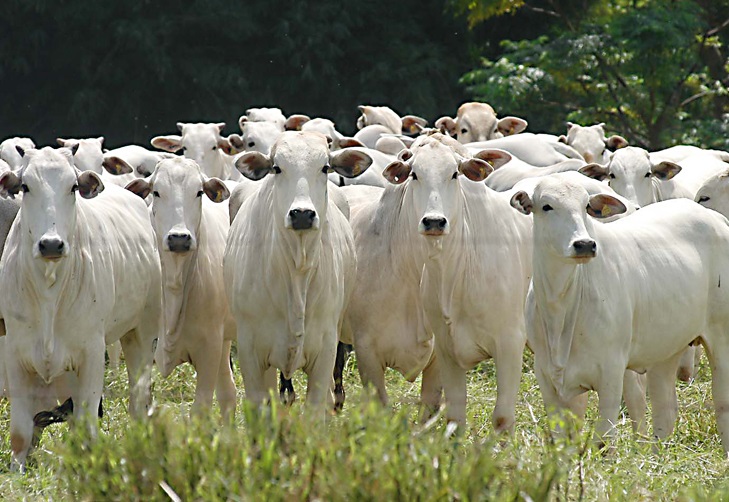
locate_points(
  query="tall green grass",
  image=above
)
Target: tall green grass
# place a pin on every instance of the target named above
(366, 453)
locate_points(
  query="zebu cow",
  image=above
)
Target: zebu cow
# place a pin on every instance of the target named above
(8, 210)
(77, 273)
(9, 152)
(292, 242)
(477, 122)
(474, 254)
(600, 297)
(591, 143)
(191, 234)
(204, 144)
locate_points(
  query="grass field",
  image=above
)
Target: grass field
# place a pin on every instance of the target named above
(366, 453)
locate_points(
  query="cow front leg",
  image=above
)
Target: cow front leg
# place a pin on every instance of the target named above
(508, 359)
(225, 386)
(87, 395)
(431, 389)
(320, 373)
(662, 391)
(139, 357)
(634, 397)
(609, 394)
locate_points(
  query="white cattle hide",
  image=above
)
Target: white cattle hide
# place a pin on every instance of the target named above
(514, 170)
(478, 122)
(9, 152)
(530, 148)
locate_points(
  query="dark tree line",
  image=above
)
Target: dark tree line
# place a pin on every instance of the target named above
(131, 70)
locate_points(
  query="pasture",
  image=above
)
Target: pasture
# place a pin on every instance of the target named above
(366, 452)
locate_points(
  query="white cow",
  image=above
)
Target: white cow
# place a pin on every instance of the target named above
(631, 294)
(77, 273)
(272, 115)
(191, 233)
(140, 159)
(680, 152)
(377, 121)
(8, 210)
(372, 176)
(591, 143)
(436, 218)
(255, 137)
(632, 174)
(531, 148)
(714, 193)
(9, 152)
(478, 122)
(513, 169)
(292, 242)
(90, 156)
(204, 144)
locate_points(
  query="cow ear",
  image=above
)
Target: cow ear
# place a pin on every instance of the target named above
(349, 163)
(412, 124)
(221, 126)
(254, 165)
(236, 143)
(215, 190)
(521, 202)
(446, 125)
(61, 141)
(562, 139)
(511, 125)
(116, 166)
(397, 172)
(475, 169)
(603, 206)
(496, 158)
(139, 187)
(10, 184)
(616, 142)
(595, 171)
(350, 142)
(171, 143)
(89, 184)
(226, 147)
(665, 170)
(294, 122)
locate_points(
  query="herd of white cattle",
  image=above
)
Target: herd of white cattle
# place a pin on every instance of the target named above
(429, 250)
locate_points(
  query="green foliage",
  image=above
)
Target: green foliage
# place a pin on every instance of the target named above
(367, 453)
(641, 67)
(131, 70)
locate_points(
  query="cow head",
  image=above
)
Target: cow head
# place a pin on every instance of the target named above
(714, 193)
(89, 154)
(9, 152)
(591, 143)
(631, 174)
(379, 115)
(433, 170)
(478, 122)
(560, 207)
(255, 137)
(200, 142)
(50, 183)
(177, 186)
(299, 163)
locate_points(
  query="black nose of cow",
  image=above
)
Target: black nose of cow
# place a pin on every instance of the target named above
(179, 243)
(434, 224)
(51, 247)
(302, 219)
(586, 247)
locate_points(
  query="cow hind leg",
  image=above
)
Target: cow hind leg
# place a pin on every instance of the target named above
(609, 397)
(431, 390)
(225, 386)
(206, 363)
(257, 379)
(634, 397)
(508, 376)
(685, 371)
(139, 356)
(320, 378)
(662, 391)
(717, 352)
(286, 392)
(343, 350)
(371, 371)
(113, 350)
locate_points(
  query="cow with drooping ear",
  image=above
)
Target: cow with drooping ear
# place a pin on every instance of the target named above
(190, 219)
(87, 259)
(591, 142)
(292, 240)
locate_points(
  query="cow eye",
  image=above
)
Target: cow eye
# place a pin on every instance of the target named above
(24, 188)
(74, 188)
(464, 131)
(455, 175)
(325, 169)
(704, 198)
(200, 193)
(612, 176)
(276, 169)
(215, 148)
(251, 144)
(184, 148)
(647, 175)
(155, 193)
(414, 176)
(547, 207)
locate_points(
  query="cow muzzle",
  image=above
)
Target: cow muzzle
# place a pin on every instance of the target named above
(51, 247)
(434, 225)
(179, 242)
(584, 248)
(302, 219)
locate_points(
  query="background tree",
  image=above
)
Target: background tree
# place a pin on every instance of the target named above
(131, 70)
(655, 71)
